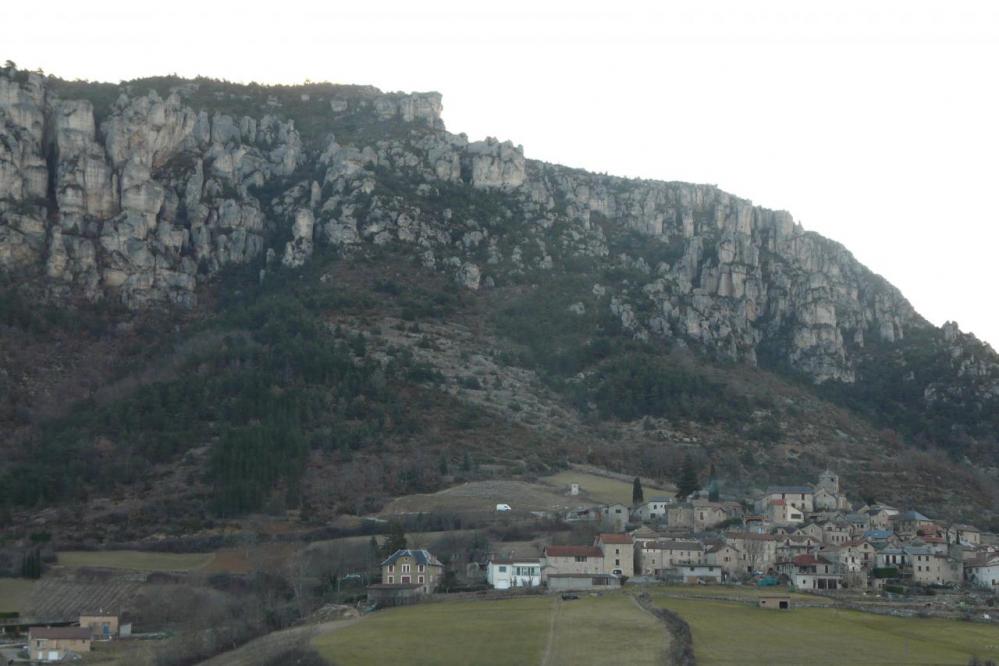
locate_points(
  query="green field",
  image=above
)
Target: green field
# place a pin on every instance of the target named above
(610, 629)
(487, 633)
(603, 489)
(527, 630)
(134, 560)
(747, 592)
(732, 633)
(14, 594)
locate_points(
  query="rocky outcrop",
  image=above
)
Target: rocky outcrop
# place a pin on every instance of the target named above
(162, 195)
(139, 208)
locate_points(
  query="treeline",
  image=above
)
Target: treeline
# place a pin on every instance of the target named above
(280, 384)
(563, 331)
(890, 390)
(641, 384)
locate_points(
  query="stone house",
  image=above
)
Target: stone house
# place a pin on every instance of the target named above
(829, 482)
(57, 643)
(824, 500)
(892, 556)
(680, 516)
(660, 556)
(619, 553)
(782, 512)
(694, 573)
(504, 574)
(103, 626)
(983, 573)
(908, 523)
(413, 567)
(835, 533)
(794, 544)
(811, 530)
(725, 556)
(571, 560)
(964, 534)
(879, 518)
(801, 498)
(811, 572)
(857, 555)
(614, 517)
(929, 568)
(654, 509)
(758, 551)
(644, 535)
(858, 522)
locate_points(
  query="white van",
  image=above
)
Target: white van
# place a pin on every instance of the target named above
(503, 507)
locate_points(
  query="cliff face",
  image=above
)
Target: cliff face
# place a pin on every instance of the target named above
(159, 196)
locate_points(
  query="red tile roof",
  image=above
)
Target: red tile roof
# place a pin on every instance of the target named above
(616, 538)
(808, 560)
(61, 633)
(573, 551)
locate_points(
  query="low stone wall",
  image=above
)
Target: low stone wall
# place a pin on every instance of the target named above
(681, 648)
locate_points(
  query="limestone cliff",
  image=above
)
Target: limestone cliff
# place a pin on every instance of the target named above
(163, 192)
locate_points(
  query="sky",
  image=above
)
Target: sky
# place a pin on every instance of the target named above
(875, 123)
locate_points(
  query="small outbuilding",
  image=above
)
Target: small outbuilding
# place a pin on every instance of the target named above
(57, 643)
(776, 603)
(583, 582)
(103, 626)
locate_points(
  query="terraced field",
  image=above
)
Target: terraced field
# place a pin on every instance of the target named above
(56, 598)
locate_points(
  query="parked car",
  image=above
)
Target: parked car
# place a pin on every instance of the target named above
(503, 507)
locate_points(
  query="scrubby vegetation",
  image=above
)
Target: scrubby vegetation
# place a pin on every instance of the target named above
(281, 383)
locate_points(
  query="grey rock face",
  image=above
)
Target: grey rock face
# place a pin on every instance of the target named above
(137, 209)
(162, 196)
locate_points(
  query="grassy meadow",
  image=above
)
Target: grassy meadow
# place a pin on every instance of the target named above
(729, 633)
(527, 630)
(487, 633)
(14, 594)
(610, 629)
(603, 489)
(134, 560)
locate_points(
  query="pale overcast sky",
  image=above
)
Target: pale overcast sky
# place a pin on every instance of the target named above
(874, 123)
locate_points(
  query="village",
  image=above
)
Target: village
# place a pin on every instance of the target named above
(810, 538)
(779, 549)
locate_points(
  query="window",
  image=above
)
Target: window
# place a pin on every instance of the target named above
(420, 568)
(405, 568)
(502, 569)
(420, 579)
(391, 568)
(617, 563)
(391, 579)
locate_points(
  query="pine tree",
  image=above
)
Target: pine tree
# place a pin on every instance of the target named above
(688, 482)
(442, 465)
(396, 539)
(637, 494)
(712, 485)
(466, 462)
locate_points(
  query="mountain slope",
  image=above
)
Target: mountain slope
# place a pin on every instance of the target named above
(268, 225)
